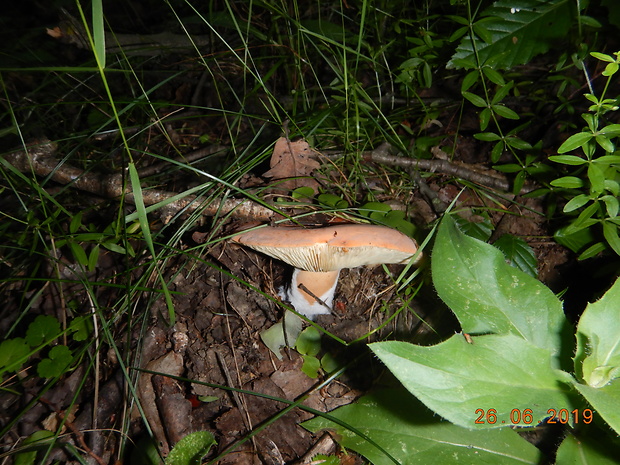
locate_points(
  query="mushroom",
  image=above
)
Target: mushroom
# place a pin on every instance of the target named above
(319, 254)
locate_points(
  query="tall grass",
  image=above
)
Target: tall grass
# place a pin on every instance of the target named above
(324, 67)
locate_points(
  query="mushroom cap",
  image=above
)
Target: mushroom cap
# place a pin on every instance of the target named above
(331, 248)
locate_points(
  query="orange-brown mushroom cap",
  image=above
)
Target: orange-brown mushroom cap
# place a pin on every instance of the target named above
(331, 248)
(322, 252)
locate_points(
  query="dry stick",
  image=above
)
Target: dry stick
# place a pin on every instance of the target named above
(39, 159)
(381, 155)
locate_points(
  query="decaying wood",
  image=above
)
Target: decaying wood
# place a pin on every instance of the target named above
(39, 158)
(382, 155)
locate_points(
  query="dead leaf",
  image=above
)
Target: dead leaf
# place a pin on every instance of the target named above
(293, 159)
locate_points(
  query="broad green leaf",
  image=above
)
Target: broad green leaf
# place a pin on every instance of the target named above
(489, 296)
(515, 32)
(612, 186)
(575, 141)
(485, 119)
(456, 378)
(576, 241)
(576, 203)
(518, 253)
(568, 182)
(518, 144)
(371, 207)
(332, 200)
(475, 99)
(497, 151)
(610, 232)
(495, 77)
(311, 366)
(605, 143)
(602, 57)
(13, 353)
(43, 328)
(604, 401)
(75, 223)
(598, 339)
(611, 130)
(518, 182)
(191, 449)
(593, 251)
(508, 167)
(309, 341)
(481, 230)
(78, 253)
(412, 435)
(469, 80)
(56, 364)
(98, 33)
(597, 178)
(487, 136)
(81, 327)
(39, 440)
(568, 159)
(505, 112)
(580, 450)
(607, 160)
(282, 334)
(303, 192)
(611, 205)
(584, 220)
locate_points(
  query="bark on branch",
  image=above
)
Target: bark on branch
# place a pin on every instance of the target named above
(39, 159)
(382, 155)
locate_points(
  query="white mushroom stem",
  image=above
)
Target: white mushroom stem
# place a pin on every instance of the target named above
(311, 293)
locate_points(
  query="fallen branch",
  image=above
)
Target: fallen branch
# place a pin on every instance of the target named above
(39, 159)
(382, 155)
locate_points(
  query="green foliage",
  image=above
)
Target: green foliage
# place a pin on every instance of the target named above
(511, 33)
(42, 329)
(518, 253)
(593, 186)
(583, 451)
(282, 334)
(41, 333)
(13, 353)
(191, 449)
(518, 341)
(309, 345)
(491, 297)
(509, 369)
(57, 363)
(396, 429)
(39, 440)
(383, 214)
(597, 357)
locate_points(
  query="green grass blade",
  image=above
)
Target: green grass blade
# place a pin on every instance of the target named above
(144, 225)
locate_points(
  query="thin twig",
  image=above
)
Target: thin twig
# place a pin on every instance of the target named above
(382, 155)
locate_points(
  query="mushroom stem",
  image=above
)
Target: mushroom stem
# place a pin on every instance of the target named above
(311, 293)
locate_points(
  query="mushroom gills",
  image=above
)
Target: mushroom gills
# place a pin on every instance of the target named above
(311, 293)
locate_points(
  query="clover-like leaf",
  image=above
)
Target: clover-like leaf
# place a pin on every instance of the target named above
(43, 328)
(56, 364)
